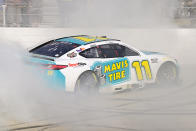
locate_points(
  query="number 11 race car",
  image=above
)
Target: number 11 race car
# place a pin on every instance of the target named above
(86, 63)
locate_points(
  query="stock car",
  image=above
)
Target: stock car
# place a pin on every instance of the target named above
(90, 63)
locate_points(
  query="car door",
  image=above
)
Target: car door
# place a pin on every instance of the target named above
(114, 67)
(109, 66)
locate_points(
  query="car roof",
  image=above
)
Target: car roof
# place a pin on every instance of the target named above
(84, 39)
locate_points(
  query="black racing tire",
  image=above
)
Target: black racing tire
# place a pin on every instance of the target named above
(87, 84)
(167, 75)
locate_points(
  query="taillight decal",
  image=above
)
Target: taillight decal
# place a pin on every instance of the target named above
(56, 67)
(59, 67)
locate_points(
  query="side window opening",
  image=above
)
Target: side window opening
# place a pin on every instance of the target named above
(125, 51)
(120, 49)
(108, 51)
(130, 52)
(90, 53)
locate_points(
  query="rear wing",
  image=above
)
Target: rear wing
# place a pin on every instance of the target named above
(41, 57)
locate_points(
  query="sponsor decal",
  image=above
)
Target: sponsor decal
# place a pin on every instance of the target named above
(80, 50)
(76, 64)
(115, 71)
(154, 60)
(50, 73)
(72, 55)
(165, 59)
(81, 64)
(73, 65)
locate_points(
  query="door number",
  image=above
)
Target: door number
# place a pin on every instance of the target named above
(144, 64)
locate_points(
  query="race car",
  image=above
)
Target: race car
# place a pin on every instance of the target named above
(88, 63)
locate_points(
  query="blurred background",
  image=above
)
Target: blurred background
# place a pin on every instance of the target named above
(93, 13)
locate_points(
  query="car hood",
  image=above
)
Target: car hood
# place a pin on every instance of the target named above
(152, 53)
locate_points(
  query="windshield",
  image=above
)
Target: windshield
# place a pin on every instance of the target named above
(54, 48)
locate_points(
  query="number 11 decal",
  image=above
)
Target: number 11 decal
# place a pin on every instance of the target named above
(146, 66)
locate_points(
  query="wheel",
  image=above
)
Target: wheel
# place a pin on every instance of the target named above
(87, 84)
(167, 75)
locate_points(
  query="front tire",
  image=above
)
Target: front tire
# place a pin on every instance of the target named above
(87, 84)
(167, 75)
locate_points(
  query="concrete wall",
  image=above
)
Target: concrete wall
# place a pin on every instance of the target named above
(180, 43)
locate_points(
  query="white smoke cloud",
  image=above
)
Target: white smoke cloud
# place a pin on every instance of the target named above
(25, 98)
(118, 13)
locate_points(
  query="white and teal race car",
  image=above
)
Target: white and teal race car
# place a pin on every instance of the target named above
(87, 63)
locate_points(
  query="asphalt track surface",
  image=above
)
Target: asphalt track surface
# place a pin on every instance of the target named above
(140, 109)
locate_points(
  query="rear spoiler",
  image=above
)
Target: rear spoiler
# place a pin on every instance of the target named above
(42, 57)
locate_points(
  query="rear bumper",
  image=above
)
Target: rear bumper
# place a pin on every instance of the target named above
(55, 79)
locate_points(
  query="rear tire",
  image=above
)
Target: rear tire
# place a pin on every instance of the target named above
(87, 84)
(167, 75)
